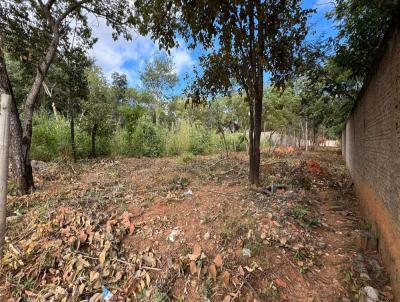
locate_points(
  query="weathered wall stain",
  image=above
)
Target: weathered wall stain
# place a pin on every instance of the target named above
(371, 148)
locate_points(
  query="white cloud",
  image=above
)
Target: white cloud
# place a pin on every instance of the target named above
(114, 56)
(129, 57)
(324, 5)
(182, 60)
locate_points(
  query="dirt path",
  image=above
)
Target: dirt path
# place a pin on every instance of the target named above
(193, 230)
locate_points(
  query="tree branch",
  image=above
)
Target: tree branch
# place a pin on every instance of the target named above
(70, 9)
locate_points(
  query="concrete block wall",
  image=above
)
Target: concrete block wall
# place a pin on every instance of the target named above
(371, 148)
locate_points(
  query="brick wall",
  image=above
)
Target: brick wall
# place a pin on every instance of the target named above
(371, 147)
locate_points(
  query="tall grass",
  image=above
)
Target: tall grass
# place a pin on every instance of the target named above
(51, 140)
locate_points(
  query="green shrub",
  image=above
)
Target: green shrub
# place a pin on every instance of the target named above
(194, 139)
(178, 141)
(186, 157)
(50, 138)
(148, 139)
(200, 141)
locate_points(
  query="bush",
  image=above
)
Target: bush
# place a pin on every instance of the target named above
(236, 141)
(200, 141)
(50, 138)
(148, 139)
(194, 139)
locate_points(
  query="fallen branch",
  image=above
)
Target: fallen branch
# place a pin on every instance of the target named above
(217, 162)
(225, 172)
(274, 162)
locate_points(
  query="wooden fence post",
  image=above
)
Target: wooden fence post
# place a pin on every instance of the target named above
(4, 145)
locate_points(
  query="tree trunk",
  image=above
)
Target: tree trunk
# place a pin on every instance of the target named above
(33, 96)
(251, 143)
(224, 140)
(306, 135)
(93, 135)
(270, 141)
(4, 148)
(21, 176)
(72, 133)
(257, 130)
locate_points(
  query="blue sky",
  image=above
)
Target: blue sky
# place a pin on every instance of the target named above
(129, 57)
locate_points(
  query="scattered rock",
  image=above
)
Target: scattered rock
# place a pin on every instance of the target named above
(207, 236)
(375, 266)
(172, 236)
(369, 294)
(149, 261)
(322, 245)
(38, 165)
(366, 241)
(188, 193)
(246, 252)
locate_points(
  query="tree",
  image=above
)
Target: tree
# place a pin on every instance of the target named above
(33, 31)
(119, 87)
(97, 107)
(76, 64)
(159, 78)
(244, 39)
(361, 25)
(281, 111)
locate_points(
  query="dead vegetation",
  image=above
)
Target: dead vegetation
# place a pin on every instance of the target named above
(189, 230)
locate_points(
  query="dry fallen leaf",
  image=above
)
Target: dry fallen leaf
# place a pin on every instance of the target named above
(96, 297)
(82, 236)
(102, 257)
(218, 261)
(213, 272)
(131, 229)
(280, 282)
(241, 271)
(93, 276)
(193, 267)
(227, 298)
(196, 252)
(225, 278)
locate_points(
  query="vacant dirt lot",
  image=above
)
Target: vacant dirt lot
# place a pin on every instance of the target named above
(191, 229)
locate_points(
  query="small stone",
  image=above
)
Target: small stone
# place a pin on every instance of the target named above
(246, 252)
(207, 236)
(188, 193)
(322, 245)
(369, 294)
(172, 236)
(376, 267)
(149, 261)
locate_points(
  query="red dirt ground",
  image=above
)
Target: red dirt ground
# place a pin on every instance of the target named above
(298, 244)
